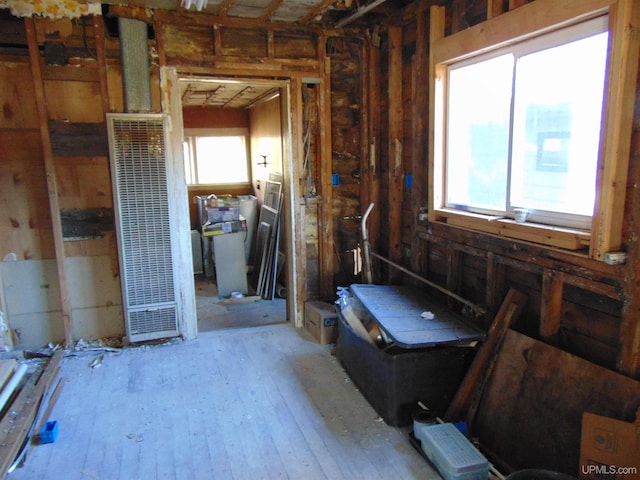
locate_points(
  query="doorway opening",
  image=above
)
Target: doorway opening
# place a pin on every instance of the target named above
(233, 259)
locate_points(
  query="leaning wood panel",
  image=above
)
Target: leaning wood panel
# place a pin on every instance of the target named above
(15, 426)
(478, 373)
(539, 392)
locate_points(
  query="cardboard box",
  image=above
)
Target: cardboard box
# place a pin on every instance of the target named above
(609, 448)
(321, 321)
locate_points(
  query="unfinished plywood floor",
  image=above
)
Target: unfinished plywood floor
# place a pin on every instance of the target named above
(249, 403)
(214, 314)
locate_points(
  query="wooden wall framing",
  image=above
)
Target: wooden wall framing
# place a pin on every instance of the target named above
(579, 304)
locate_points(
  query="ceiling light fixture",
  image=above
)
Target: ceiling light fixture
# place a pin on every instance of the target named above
(199, 4)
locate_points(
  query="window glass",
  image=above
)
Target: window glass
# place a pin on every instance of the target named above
(557, 116)
(478, 134)
(216, 160)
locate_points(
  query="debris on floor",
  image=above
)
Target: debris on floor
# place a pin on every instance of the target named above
(29, 391)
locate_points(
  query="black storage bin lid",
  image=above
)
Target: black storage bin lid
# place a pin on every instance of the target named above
(412, 319)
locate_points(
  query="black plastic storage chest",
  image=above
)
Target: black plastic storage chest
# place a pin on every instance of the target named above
(429, 352)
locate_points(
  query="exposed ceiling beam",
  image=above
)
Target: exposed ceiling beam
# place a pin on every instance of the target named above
(319, 10)
(273, 6)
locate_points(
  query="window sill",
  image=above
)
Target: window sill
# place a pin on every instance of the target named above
(570, 239)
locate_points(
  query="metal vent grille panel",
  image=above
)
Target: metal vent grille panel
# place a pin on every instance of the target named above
(154, 323)
(140, 172)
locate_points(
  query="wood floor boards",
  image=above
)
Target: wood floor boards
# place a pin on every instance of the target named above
(254, 403)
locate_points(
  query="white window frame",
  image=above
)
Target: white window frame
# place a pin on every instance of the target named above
(527, 22)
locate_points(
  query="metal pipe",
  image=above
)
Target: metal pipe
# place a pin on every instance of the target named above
(360, 12)
(476, 308)
(366, 246)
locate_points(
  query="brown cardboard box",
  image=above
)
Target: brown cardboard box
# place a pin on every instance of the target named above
(321, 321)
(609, 448)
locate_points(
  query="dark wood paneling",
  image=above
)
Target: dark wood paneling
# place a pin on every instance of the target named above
(79, 139)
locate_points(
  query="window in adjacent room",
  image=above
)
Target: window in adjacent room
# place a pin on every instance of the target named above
(216, 160)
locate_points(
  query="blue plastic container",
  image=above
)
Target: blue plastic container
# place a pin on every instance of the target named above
(455, 457)
(49, 432)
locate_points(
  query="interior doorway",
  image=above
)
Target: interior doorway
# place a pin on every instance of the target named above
(257, 110)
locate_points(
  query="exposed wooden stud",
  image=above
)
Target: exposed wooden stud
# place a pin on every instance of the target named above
(496, 284)
(295, 208)
(373, 145)
(458, 15)
(513, 4)
(364, 128)
(158, 25)
(629, 356)
(217, 41)
(325, 210)
(437, 20)
(98, 28)
(495, 8)
(395, 174)
(551, 308)
(271, 49)
(454, 271)
(606, 231)
(420, 96)
(52, 182)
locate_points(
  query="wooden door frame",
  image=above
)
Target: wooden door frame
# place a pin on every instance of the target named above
(294, 240)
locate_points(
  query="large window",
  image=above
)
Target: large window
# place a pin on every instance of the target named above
(523, 127)
(216, 160)
(533, 110)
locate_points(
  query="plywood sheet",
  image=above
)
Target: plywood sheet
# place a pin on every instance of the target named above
(35, 330)
(18, 102)
(74, 101)
(25, 225)
(84, 182)
(30, 287)
(91, 283)
(539, 392)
